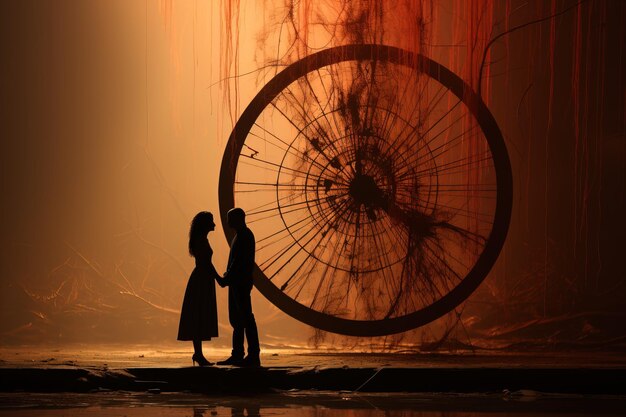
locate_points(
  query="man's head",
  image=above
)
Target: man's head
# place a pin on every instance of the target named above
(236, 218)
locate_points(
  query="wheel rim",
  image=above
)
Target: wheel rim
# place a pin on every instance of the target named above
(371, 192)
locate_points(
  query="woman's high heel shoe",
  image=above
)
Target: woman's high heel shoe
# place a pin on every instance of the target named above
(200, 360)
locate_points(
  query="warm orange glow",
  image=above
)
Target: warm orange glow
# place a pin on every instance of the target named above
(122, 111)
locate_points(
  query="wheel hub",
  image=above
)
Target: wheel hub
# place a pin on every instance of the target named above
(364, 191)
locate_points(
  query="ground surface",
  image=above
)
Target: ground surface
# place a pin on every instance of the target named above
(142, 368)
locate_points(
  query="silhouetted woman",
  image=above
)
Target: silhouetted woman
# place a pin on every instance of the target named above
(198, 316)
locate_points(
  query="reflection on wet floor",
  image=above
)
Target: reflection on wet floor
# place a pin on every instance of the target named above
(308, 403)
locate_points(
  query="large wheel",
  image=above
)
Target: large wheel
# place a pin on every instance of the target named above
(377, 184)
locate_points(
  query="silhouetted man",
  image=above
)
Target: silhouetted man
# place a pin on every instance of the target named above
(238, 278)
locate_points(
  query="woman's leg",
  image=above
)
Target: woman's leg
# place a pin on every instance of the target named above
(197, 356)
(197, 347)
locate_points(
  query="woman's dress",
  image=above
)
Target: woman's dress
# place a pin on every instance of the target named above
(198, 316)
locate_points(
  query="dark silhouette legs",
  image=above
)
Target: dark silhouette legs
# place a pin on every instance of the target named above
(247, 328)
(197, 347)
(197, 354)
(244, 326)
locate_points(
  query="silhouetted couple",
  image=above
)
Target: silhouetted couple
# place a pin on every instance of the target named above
(198, 317)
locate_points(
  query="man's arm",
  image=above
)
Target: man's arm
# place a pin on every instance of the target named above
(242, 260)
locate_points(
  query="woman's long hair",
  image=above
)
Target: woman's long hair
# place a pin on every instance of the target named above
(199, 229)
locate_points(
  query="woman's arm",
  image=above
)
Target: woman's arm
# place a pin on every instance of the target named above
(214, 274)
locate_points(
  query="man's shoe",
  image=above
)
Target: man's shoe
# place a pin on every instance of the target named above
(234, 361)
(251, 362)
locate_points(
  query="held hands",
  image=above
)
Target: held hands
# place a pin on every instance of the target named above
(220, 281)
